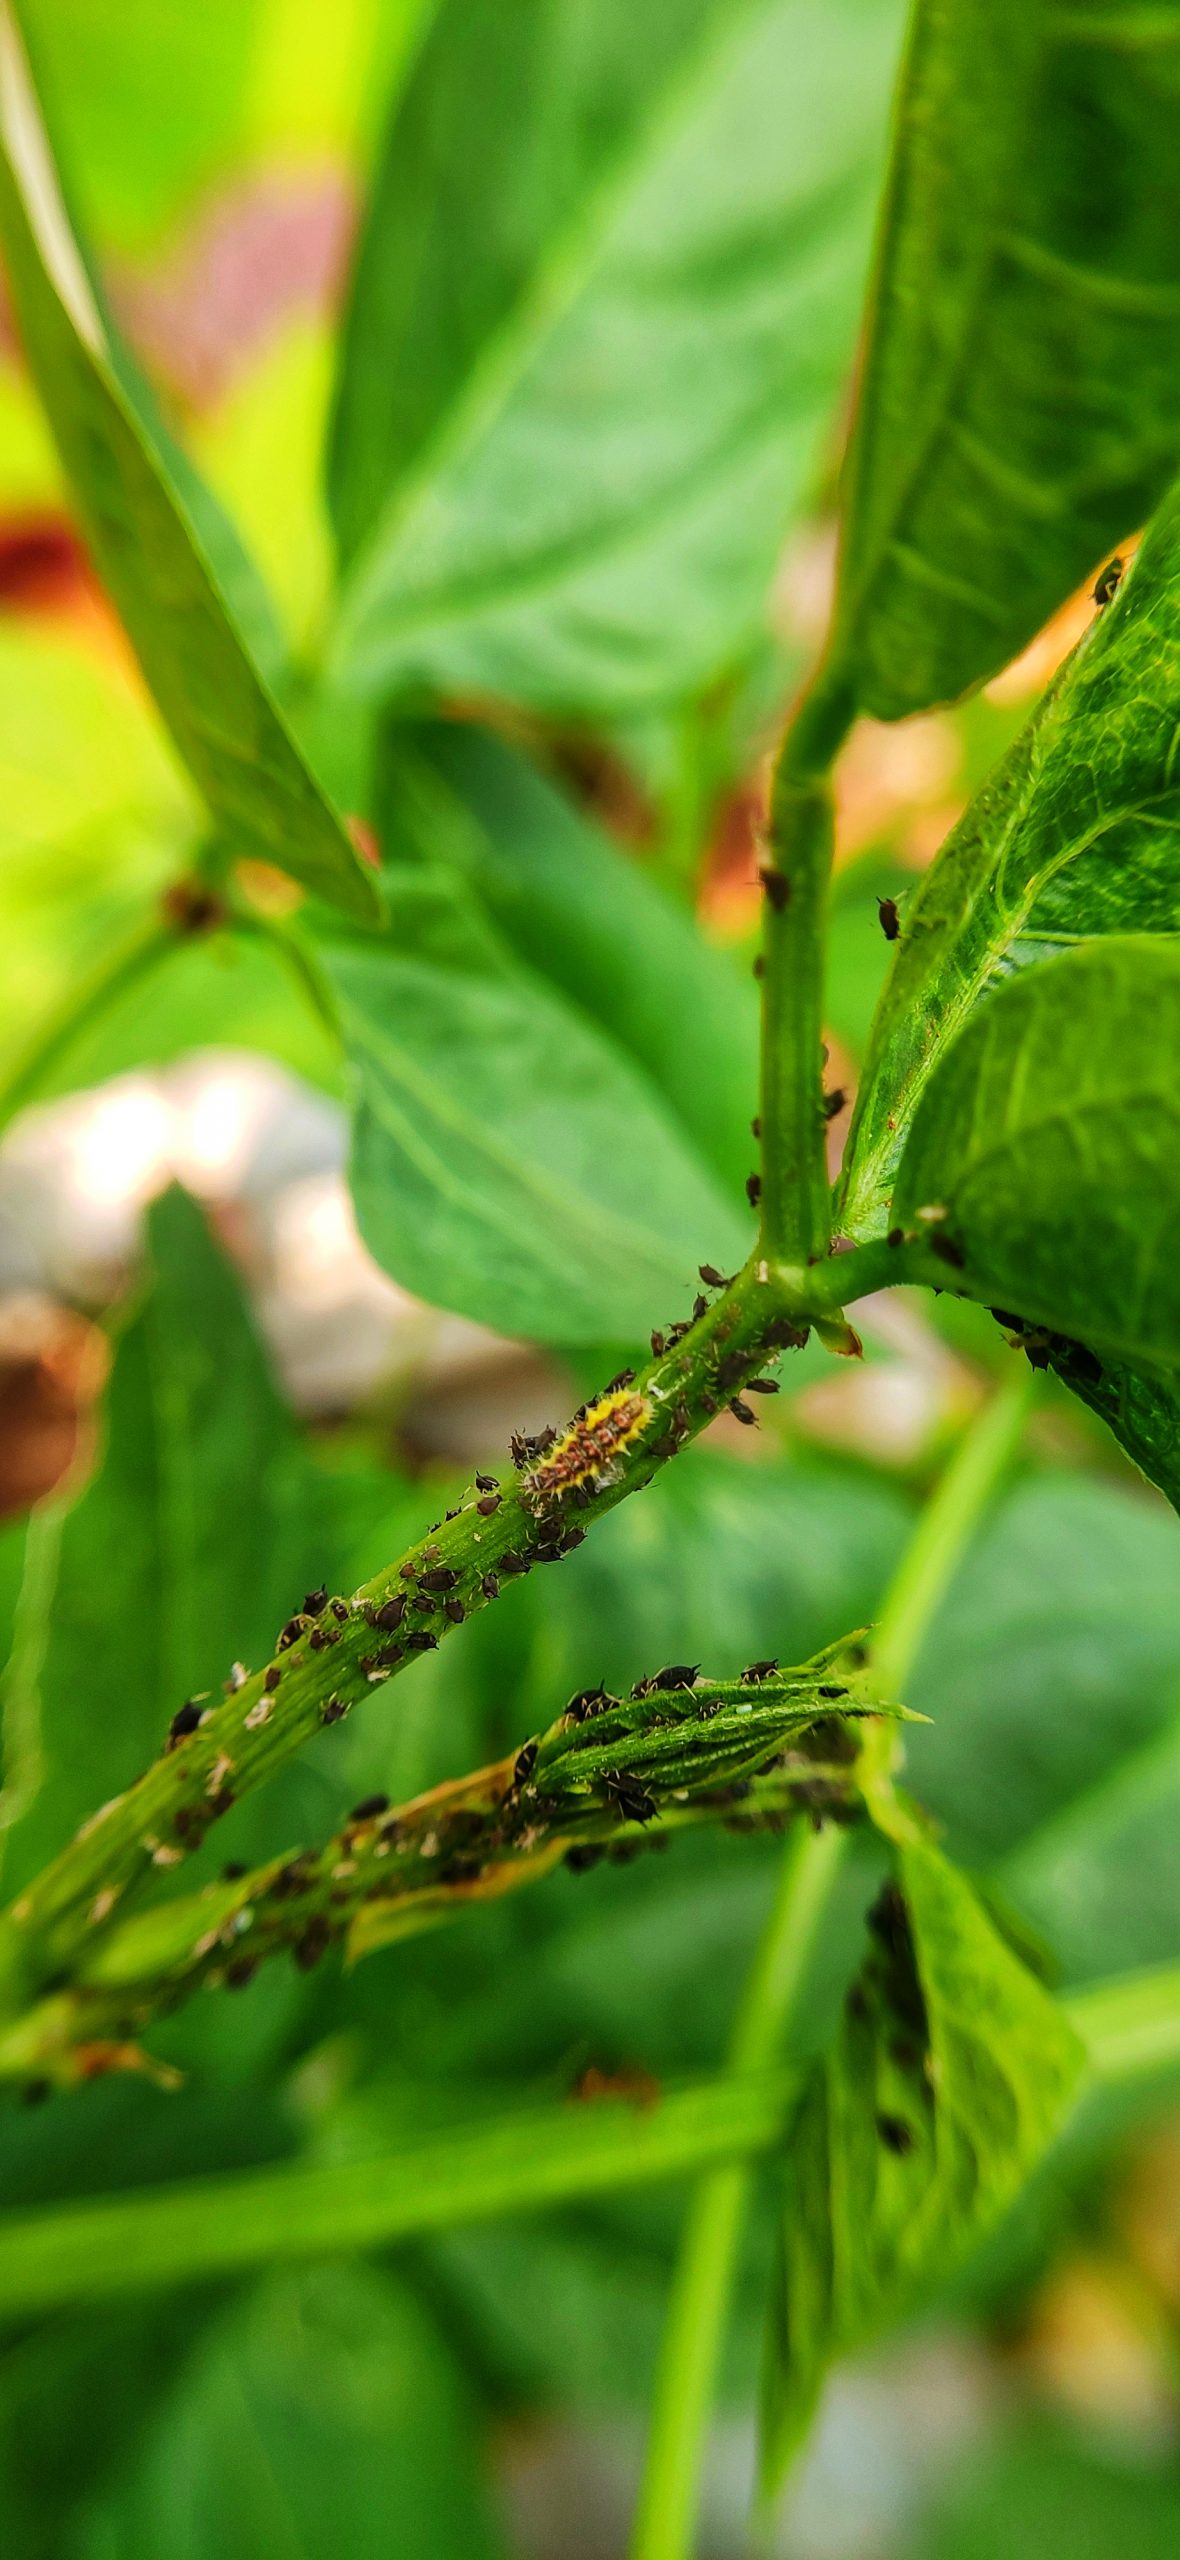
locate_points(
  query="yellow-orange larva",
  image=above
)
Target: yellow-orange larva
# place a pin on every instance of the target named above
(591, 1445)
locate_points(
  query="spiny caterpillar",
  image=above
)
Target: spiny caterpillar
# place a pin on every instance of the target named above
(589, 1448)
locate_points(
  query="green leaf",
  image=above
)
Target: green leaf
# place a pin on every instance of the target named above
(1041, 1170)
(1052, 1661)
(199, 1532)
(508, 1161)
(323, 2414)
(1075, 835)
(1099, 1881)
(150, 542)
(588, 917)
(1140, 1407)
(583, 402)
(951, 2073)
(1018, 412)
(1046, 2491)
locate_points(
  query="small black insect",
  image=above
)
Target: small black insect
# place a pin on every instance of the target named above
(777, 887)
(487, 1504)
(895, 1236)
(712, 1278)
(440, 1578)
(666, 1446)
(315, 1601)
(390, 1612)
(484, 1484)
(322, 1637)
(408, 1571)
(340, 1611)
(453, 1609)
(524, 1765)
(315, 1942)
(657, 1344)
(834, 1101)
(741, 1412)
(675, 1675)
(512, 1563)
(271, 1677)
(332, 1710)
(185, 1720)
(830, 1689)
(947, 1249)
(588, 1855)
(890, 924)
(629, 1797)
(589, 1702)
(753, 1189)
(614, 1386)
(368, 1808)
(421, 1642)
(1108, 582)
(762, 1386)
(490, 1587)
(896, 2134)
(700, 1307)
(760, 1670)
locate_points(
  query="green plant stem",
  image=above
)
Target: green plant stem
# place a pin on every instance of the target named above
(326, 1666)
(194, 2228)
(749, 1753)
(946, 1526)
(703, 2282)
(699, 2303)
(796, 1197)
(112, 977)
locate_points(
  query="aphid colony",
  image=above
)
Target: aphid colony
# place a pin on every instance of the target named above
(557, 1472)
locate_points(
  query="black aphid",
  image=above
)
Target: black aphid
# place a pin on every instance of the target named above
(760, 1670)
(525, 1763)
(185, 1720)
(675, 1675)
(315, 1601)
(389, 1613)
(1108, 582)
(947, 1249)
(890, 921)
(741, 1412)
(484, 1484)
(271, 1677)
(368, 1808)
(896, 2134)
(753, 1189)
(420, 1642)
(490, 1587)
(440, 1578)
(777, 887)
(713, 1279)
(487, 1504)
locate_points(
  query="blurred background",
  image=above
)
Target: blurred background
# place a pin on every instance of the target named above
(488, 2390)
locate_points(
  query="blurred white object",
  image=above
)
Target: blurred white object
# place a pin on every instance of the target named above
(267, 1155)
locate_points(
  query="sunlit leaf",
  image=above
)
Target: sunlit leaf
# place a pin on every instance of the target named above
(1018, 408)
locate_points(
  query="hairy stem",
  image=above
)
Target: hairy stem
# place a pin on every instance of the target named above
(796, 1215)
(329, 1656)
(607, 1773)
(703, 2284)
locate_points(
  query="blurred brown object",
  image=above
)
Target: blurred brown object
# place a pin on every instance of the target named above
(43, 567)
(53, 1364)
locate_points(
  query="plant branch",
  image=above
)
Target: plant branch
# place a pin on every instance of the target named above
(796, 1213)
(703, 2283)
(204, 2227)
(607, 1769)
(329, 1656)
